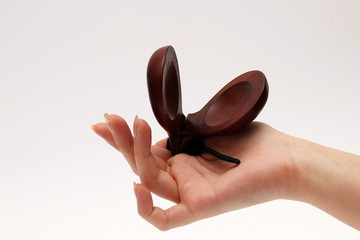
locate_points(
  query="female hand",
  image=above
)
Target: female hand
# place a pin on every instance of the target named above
(203, 186)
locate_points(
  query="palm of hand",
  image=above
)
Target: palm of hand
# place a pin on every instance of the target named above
(204, 181)
(202, 186)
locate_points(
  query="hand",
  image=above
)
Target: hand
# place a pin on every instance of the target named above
(203, 186)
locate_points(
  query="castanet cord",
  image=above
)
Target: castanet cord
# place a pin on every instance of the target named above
(196, 147)
(220, 155)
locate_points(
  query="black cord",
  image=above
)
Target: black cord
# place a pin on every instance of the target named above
(196, 147)
(221, 156)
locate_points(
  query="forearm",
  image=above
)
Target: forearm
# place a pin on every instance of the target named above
(330, 180)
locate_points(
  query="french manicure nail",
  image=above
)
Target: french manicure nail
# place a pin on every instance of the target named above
(134, 186)
(106, 117)
(136, 122)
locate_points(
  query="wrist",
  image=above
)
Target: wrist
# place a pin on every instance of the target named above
(303, 154)
(313, 169)
(295, 167)
(327, 179)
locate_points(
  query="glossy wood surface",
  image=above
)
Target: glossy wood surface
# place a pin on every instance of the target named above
(233, 107)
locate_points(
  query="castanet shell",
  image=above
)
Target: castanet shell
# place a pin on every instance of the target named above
(234, 106)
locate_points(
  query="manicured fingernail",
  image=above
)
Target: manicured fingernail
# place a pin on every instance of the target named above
(93, 127)
(136, 122)
(134, 186)
(106, 115)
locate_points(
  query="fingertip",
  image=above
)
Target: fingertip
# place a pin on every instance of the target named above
(98, 128)
(118, 126)
(142, 138)
(142, 123)
(135, 190)
(135, 124)
(95, 129)
(106, 117)
(143, 199)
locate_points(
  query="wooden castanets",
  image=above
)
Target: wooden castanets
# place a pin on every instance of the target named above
(233, 107)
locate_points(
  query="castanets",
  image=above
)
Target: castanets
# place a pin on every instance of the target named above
(237, 104)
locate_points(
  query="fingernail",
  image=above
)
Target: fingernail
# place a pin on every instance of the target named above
(134, 186)
(106, 115)
(93, 127)
(136, 122)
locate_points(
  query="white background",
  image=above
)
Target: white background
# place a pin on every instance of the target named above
(65, 63)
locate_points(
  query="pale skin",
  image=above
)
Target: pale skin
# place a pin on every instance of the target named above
(273, 166)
